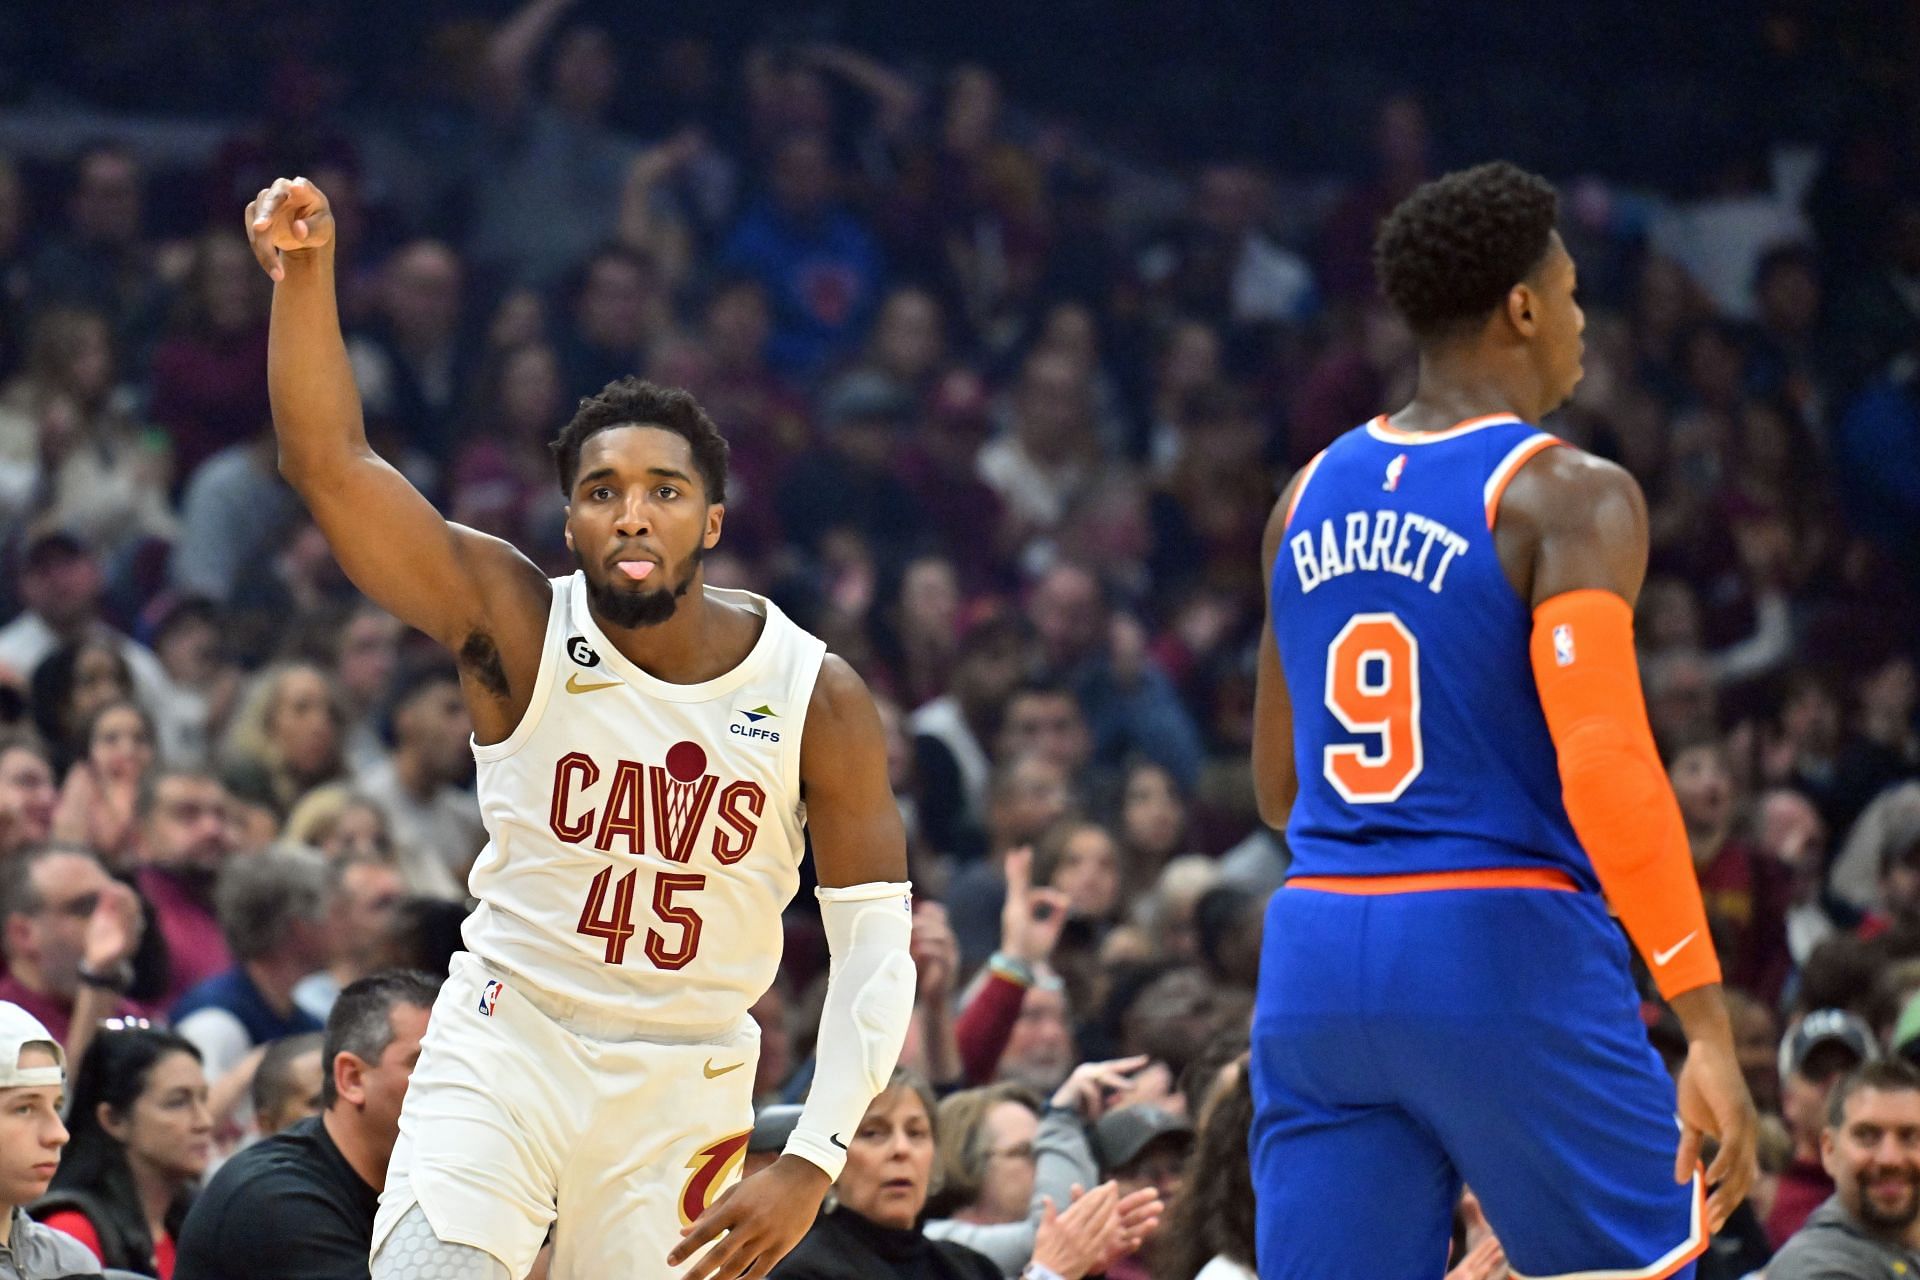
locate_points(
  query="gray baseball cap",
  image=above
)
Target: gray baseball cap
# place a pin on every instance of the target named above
(1120, 1136)
(18, 1029)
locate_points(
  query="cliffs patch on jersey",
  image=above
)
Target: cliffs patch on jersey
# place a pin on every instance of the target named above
(662, 808)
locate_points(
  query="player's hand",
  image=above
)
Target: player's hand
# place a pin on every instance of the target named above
(291, 216)
(761, 1218)
(1713, 1102)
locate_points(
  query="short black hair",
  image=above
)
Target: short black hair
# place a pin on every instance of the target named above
(637, 402)
(361, 1021)
(1450, 251)
(1888, 1075)
(273, 1080)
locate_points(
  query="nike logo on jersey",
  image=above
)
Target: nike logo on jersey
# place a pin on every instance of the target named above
(1661, 957)
(574, 685)
(713, 1073)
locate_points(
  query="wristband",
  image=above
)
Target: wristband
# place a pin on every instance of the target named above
(1012, 968)
(1039, 1271)
(116, 982)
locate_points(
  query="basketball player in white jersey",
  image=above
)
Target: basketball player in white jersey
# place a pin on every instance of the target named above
(644, 744)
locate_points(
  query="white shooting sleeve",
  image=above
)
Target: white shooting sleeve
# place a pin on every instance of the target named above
(870, 985)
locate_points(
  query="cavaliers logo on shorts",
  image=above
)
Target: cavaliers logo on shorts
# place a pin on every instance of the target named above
(490, 995)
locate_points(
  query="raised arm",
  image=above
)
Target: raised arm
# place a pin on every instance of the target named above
(474, 594)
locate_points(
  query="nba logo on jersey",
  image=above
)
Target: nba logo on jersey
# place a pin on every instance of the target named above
(490, 995)
(1563, 645)
(1394, 471)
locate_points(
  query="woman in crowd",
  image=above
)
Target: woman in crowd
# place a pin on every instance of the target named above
(339, 821)
(70, 455)
(70, 686)
(97, 803)
(291, 722)
(872, 1231)
(142, 1137)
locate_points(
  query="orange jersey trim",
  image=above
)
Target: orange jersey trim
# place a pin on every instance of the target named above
(1300, 486)
(1431, 881)
(1510, 467)
(1686, 1251)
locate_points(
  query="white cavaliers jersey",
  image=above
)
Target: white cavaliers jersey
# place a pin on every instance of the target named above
(645, 836)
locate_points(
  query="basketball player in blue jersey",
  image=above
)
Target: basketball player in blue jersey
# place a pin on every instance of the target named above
(644, 743)
(1450, 727)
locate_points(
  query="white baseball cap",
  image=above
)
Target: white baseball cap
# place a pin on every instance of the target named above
(18, 1029)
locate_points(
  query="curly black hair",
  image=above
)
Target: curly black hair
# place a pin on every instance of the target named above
(1450, 251)
(637, 402)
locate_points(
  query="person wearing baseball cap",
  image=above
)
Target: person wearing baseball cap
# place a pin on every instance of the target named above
(1820, 1049)
(32, 1087)
(1142, 1146)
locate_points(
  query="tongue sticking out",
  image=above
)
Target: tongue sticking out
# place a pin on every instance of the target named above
(636, 569)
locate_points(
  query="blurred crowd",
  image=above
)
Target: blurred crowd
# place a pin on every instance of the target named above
(1008, 407)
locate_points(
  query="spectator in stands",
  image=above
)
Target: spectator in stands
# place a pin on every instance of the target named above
(142, 1138)
(287, 1086)
(291, 723)
(1153, 822)
(273, 910)
(183, 841)
(70, 685)
(235, 513)
(851, 480)
(69, 932)
(413, 363)
(209, 373)
(71, 455)
(340, 823)
(616, 312)
(32, 1090)
(98, 259)
(1210, 1224)
(103, 788)
(1824, 1047)
(364, 655)
(997, 1172)
(556, 165)
(199, 679)
(1026, 796)
(1130, 705)
(955, 732)
(28, 798)
(1142, 1146)
(1869, 1145)
(819, 262)
(61, 593)
(425, 784)
(363, 893)
(1747, 897)
(302, 1202)
(873, 1232)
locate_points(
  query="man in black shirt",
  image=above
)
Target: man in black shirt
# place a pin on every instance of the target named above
(300, 1205)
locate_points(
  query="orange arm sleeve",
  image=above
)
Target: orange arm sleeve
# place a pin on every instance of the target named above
(1614, 787)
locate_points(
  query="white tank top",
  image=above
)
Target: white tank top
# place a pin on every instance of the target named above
(645, 836)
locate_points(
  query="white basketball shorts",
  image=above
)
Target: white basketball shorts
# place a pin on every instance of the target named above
(515, 1122)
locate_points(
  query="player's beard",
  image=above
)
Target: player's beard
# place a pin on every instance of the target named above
(646, 608)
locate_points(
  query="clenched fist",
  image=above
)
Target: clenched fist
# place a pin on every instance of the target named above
(290, 216)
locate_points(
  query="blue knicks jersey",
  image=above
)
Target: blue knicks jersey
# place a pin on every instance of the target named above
(1418, 734)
